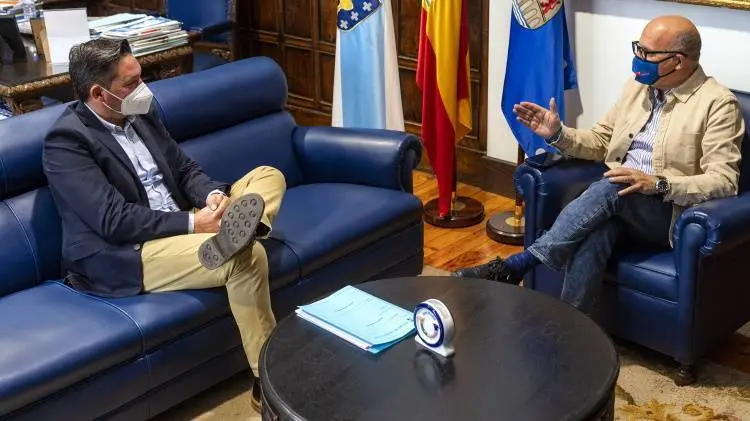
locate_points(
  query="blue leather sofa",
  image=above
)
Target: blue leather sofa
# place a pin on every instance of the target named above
(681, 302)
(348, 216)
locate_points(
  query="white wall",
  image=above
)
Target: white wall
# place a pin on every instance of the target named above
(601, 33)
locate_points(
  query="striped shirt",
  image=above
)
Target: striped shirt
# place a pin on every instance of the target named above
(640, 155)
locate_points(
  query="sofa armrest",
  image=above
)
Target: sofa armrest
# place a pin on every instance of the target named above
(711, 244)
(715, 226)
(379, 158)
(546, 191)
(217, 28)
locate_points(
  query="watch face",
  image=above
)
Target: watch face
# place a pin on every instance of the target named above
(661, 185)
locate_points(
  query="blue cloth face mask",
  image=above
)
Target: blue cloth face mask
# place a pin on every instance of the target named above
(647, 72)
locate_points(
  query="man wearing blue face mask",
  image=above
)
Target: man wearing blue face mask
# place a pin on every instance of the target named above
(672, 140)
(138, 215)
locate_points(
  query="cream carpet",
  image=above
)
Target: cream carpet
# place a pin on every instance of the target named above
(645, 392)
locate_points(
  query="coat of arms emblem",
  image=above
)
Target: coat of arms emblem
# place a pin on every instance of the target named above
(352, 12)
(533, 14)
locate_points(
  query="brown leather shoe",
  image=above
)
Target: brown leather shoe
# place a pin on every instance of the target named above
(255, 396)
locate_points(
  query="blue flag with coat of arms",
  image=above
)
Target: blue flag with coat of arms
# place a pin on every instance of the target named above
(366, 88)
(540, 65)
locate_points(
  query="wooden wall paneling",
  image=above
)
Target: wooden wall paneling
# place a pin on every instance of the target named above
(315, 49)
(301, 36)
(326, 50)
(108, 7)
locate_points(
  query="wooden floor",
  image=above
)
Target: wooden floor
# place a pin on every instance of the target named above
(450, 249)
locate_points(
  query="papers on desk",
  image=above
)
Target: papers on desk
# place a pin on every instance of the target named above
(360, 318)
(146, 34)
(64, 28)
(99, 25)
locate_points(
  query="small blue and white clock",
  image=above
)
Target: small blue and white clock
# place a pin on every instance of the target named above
(435, 328)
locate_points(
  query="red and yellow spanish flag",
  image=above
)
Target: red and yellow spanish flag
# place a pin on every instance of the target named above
(443, 77)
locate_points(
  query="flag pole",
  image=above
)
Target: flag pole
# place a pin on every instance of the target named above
(464, 211)
(507, 227)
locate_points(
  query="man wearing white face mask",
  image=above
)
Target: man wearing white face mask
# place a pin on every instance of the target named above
(138, 215)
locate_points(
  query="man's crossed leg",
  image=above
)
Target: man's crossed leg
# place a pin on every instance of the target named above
(171, 264)
(582, 239)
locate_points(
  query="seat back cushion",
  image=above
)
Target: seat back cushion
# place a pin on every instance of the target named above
(200, 14)
(31, 232)
(30, 250)
(744, 99)
(231, 118)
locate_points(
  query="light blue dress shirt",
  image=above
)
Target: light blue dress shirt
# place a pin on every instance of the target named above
(159, 196)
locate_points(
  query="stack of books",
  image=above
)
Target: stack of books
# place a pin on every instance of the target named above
(146, 34)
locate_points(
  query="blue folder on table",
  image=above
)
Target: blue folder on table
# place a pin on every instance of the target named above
(360, 318)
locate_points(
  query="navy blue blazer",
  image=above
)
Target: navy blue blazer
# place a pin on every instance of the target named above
(104, 208)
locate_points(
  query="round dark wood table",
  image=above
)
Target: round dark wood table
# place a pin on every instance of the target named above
(520, 355)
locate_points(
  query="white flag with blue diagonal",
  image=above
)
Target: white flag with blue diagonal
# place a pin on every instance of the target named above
(366, 88)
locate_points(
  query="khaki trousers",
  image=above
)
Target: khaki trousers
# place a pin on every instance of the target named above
(171, 264)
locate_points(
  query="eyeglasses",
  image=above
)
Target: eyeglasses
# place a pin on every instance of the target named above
(643, 53)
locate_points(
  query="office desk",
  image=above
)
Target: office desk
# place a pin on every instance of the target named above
(23, 84)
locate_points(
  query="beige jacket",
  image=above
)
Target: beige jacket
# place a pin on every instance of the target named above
(697, 147)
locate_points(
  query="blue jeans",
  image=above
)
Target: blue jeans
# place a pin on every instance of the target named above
(584, 234)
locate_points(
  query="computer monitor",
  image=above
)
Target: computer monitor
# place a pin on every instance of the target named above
(11, 43)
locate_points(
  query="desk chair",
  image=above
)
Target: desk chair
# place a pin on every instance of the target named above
(211, 25)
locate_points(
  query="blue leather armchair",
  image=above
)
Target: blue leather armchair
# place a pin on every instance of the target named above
(348, 216)
(681, 302)
(211, 25)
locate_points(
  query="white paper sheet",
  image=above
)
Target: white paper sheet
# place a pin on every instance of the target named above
(65, 28)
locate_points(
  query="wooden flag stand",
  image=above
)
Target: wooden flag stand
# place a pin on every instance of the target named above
(507, 227)
(464, 212)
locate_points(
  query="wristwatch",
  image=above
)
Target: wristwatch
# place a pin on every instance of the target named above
(662, 185)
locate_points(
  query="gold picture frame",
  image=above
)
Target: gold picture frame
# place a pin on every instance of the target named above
(731, 4)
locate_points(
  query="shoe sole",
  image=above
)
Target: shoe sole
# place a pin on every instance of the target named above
(237, 231)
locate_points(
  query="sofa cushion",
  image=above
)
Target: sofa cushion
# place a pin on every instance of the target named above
(325, 221)
(161, 317)
(264, 141)
(21, 150)
(220, 97)
(31, 235)
(648, 270)
(52, 337)
(283, 264)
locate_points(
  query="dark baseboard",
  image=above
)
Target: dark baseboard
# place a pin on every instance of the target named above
(477, 169)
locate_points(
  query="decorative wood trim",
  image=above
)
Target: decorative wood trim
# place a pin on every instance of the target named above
(281, 34)
(731, 4)
(484, 70)
(34, 86)
(315, 33)
(167, 55)
(24, 97)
